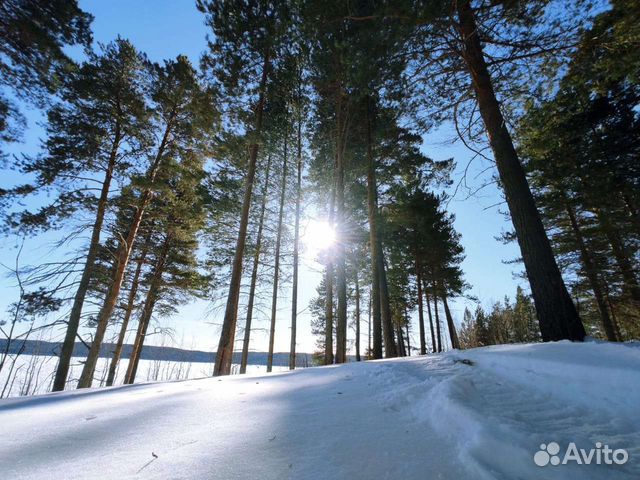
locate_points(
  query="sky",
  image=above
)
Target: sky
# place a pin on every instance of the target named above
(166, 28)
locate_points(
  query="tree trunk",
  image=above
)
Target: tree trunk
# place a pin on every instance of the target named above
(328, 306)
(357, 318)
(433, 335)
(592, 275)
(556, 312)
(147, 311)
(117, 352)
(369, 347)
(276, 270)
(435, 310)
(73, 323)
(296, 242)
(406, 329)
(622, 257)
(372, 209)
(455, 343)
(122, 259)
(401, 352)
(341, 276)
(423, 341)
(254, 273)
(224, 354)
(385, 307)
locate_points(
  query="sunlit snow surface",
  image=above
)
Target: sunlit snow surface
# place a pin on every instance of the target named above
(417, 418)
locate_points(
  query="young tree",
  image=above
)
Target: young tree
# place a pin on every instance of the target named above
(276, 268)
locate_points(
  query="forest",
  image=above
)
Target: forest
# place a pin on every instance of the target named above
(158, 183)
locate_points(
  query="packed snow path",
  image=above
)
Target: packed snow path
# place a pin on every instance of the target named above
(474, 414)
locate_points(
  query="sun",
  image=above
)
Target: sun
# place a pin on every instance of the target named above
(318, 236)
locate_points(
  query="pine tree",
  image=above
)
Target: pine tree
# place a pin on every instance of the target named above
(33, 63)
(94, 136)
(244, 35)
(185, 120)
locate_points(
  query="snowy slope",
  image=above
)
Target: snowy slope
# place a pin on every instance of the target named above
(417, 418)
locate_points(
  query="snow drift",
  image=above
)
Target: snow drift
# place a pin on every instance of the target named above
(477, 414)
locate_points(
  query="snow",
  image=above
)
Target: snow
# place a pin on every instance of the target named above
(33, 374)
(476, 414)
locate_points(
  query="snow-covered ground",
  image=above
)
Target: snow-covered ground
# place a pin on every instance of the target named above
(33, 374)
(475, 414)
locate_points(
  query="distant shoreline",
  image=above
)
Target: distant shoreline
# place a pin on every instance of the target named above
(152, 352)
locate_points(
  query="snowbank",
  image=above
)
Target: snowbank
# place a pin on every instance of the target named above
(474, 414)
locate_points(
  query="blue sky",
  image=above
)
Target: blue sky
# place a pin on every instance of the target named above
(165, 28)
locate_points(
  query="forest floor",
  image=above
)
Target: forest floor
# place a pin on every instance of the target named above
(473, 414)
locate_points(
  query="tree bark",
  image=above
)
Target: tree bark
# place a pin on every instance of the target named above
(435, 310)
(296, 242)
(341, 276)
(122, 259)
(401, 351)
(224, 354)
(147, 312)
(556, 312)
(433, 335)
(73, 323)
(369, 346)
(357, 318)
(117, 352)
(254, 273)
(372, 210)
(590, 271)
(406, 329)
(328, 306)
(390, 349)
(276, 270)
(423, 341)
(453, 335)
(622, 257)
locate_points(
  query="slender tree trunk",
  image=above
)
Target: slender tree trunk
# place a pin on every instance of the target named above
(73, 323)
(357, 318)
(372, 208)
(254, 273)
(296, 241)
(433, 335)
(341, 276)
(369, 328)
(385, 307)
(276, 270)
(423, 341)
(592, 275)
(328, 306)
(620, 253)
(224, 354)
(556, 312)
(147, 311)
(401, 352)
(455, 343)
(143, 326)
(122, 259)
(406, 329)
(435, 310)
(117, 352)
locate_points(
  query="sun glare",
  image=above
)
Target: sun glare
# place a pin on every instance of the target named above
(318, 236)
